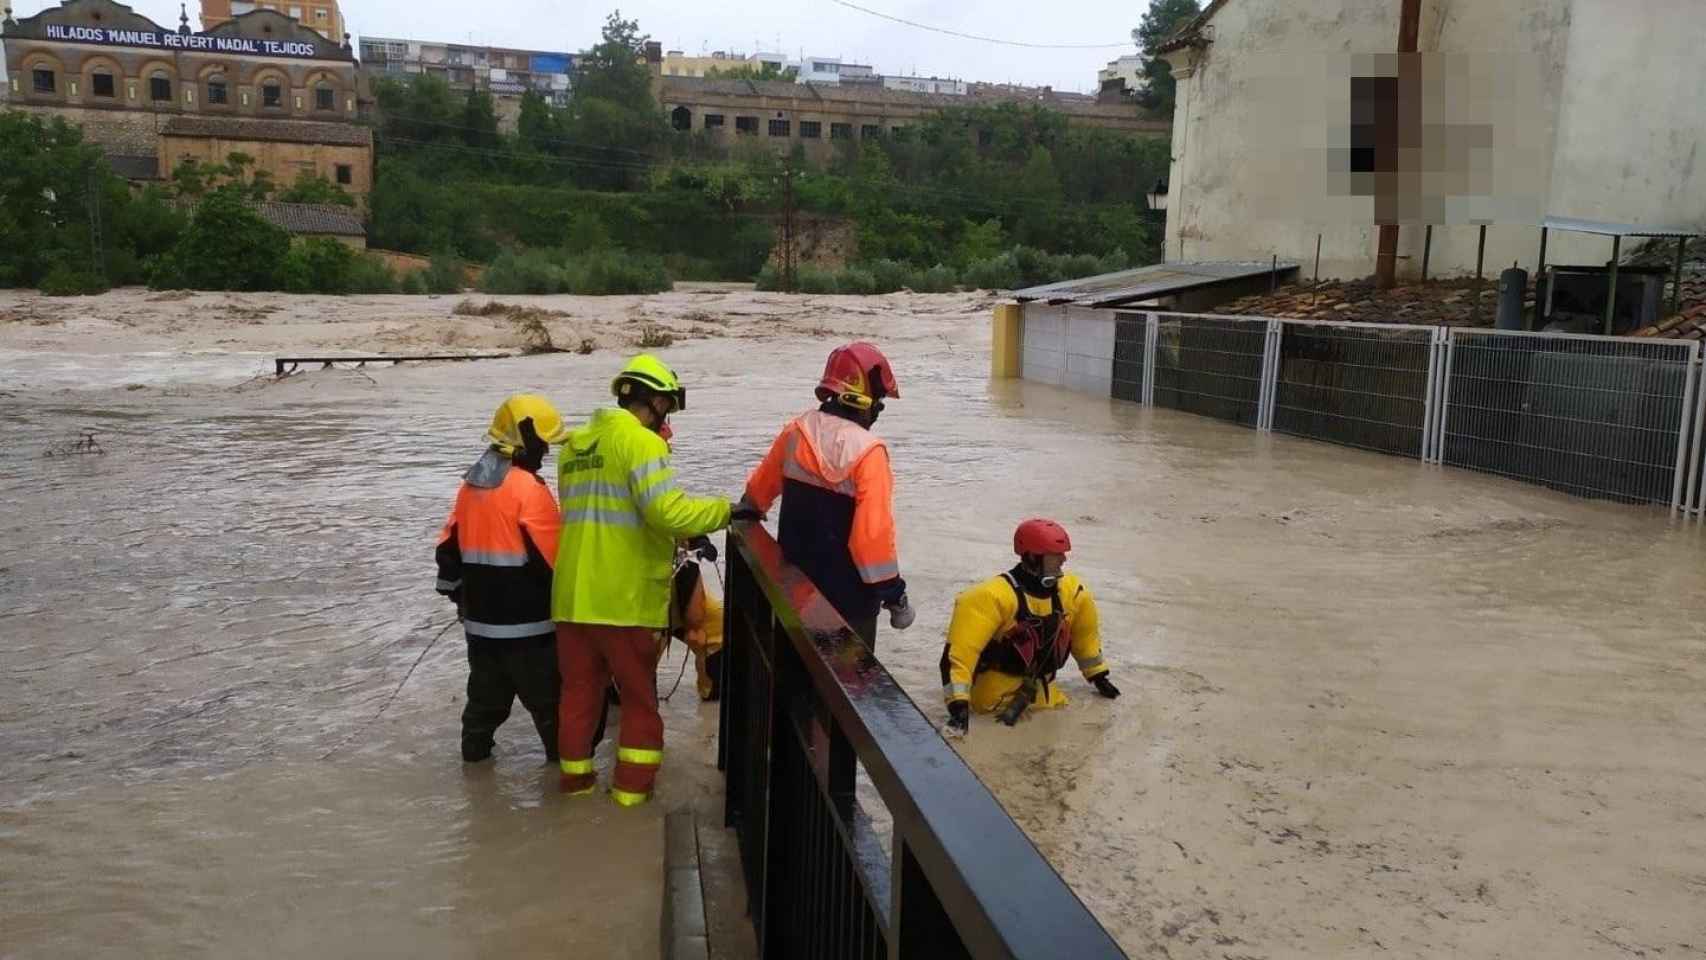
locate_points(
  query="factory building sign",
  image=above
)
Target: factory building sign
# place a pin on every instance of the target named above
(163, 40)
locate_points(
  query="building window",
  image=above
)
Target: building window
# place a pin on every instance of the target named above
(296, 13)
(985, 137)
(841, 131)
(681, 118)
(811, 129)
(323, 98)
(897, 131)
(870, 131)
(713, 121)
(344, 174)
(159, 87)
(272, 95)
(779, 128)
(43, 80)
(320, 15)
(216, 91)
(102, 85)
(747, 125)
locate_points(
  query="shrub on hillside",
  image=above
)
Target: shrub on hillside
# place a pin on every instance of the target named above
(316, 265)
(937, 279)
(599, 272)
(1000, 272)
(811, 279)
(67, 281)
(371, 274)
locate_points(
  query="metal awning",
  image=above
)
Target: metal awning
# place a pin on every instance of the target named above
(1608, 229)
(1156, 280)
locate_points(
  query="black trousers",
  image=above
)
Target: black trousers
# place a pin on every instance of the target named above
(498, 672)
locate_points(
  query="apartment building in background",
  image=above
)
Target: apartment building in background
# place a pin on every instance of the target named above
(679, 64)
(507, 73)
(941, 86)
(321, 16)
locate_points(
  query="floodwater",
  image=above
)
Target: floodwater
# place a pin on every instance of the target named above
(1370, 707)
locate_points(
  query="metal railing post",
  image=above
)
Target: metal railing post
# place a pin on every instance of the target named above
(1151, 338)
(1445, 397)
(1696, 465)
(1691, 373)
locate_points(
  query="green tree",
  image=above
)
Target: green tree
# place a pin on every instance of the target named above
(615, 69)
(479, 124)
(538, 126)
(1160, 22)
(48, 176)
(228, 246)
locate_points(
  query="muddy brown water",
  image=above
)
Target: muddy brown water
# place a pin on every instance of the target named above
(1370, 708)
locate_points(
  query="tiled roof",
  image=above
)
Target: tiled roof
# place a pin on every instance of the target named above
(1435, 303)
(688, 88)
(282, 131)
(313, 218)
(1191, 33)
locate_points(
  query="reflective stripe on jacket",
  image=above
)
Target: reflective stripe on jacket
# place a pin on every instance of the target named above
(985, 613)
(496, 551)
(837, 520)
(622, 514)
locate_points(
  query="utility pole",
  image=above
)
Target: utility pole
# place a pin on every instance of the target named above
(1398, 131)
(788, 278)
(97, 244)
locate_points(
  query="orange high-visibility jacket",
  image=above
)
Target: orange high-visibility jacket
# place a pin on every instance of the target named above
(837, 521)
(497, 549)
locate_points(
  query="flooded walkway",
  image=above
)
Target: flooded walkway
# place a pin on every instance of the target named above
(1370, 708)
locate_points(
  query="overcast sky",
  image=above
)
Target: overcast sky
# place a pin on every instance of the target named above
(814, 27)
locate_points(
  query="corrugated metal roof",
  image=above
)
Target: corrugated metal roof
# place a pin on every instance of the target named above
(1156, 280)
(1608, 229)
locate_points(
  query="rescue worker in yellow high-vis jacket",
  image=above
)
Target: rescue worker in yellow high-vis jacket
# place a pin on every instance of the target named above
(1011, 633)
(610, 597)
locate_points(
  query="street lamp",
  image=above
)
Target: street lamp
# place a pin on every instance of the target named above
(1157, 196)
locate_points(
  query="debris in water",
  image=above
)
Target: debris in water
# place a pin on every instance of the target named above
(84, 444)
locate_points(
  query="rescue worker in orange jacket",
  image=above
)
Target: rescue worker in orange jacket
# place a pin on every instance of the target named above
(832, 475)
(1011, 633)
(495, 557)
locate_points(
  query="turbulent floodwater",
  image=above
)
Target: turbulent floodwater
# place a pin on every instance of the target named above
(1370, 707)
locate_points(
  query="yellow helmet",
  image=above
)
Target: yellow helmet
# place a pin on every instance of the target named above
(648, 371)
(505, 431)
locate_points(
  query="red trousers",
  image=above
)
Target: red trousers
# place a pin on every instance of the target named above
(589, 656)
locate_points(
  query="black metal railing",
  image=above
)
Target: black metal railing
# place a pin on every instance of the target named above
(805, 706)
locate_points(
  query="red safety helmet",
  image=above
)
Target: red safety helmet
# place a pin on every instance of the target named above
(1036, 537)
(857, 375)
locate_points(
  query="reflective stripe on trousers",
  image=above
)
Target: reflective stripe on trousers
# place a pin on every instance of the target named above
(508, 631)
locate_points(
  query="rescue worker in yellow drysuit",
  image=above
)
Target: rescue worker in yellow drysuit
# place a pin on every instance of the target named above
(1011, 633)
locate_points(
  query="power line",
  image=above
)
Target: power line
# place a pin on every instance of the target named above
(973, 36)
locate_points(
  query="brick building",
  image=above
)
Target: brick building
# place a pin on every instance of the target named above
(819, 117)
(260, 83)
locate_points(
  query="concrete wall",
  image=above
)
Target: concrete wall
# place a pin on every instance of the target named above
(1068, 346)
(1591, 107)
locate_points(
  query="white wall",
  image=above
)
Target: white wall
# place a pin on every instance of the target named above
(1592, 108)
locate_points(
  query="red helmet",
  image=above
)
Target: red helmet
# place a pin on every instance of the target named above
(858, 375)
(1037, 536)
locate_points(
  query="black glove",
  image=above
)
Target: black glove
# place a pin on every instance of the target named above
(703, 546)
(1106, 687)
(959, 720)
(744, 512)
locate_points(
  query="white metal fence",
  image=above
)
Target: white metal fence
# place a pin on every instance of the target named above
(1607, 417)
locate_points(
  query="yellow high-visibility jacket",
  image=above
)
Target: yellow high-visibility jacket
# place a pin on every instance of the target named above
(622, 515)
(984, 614)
